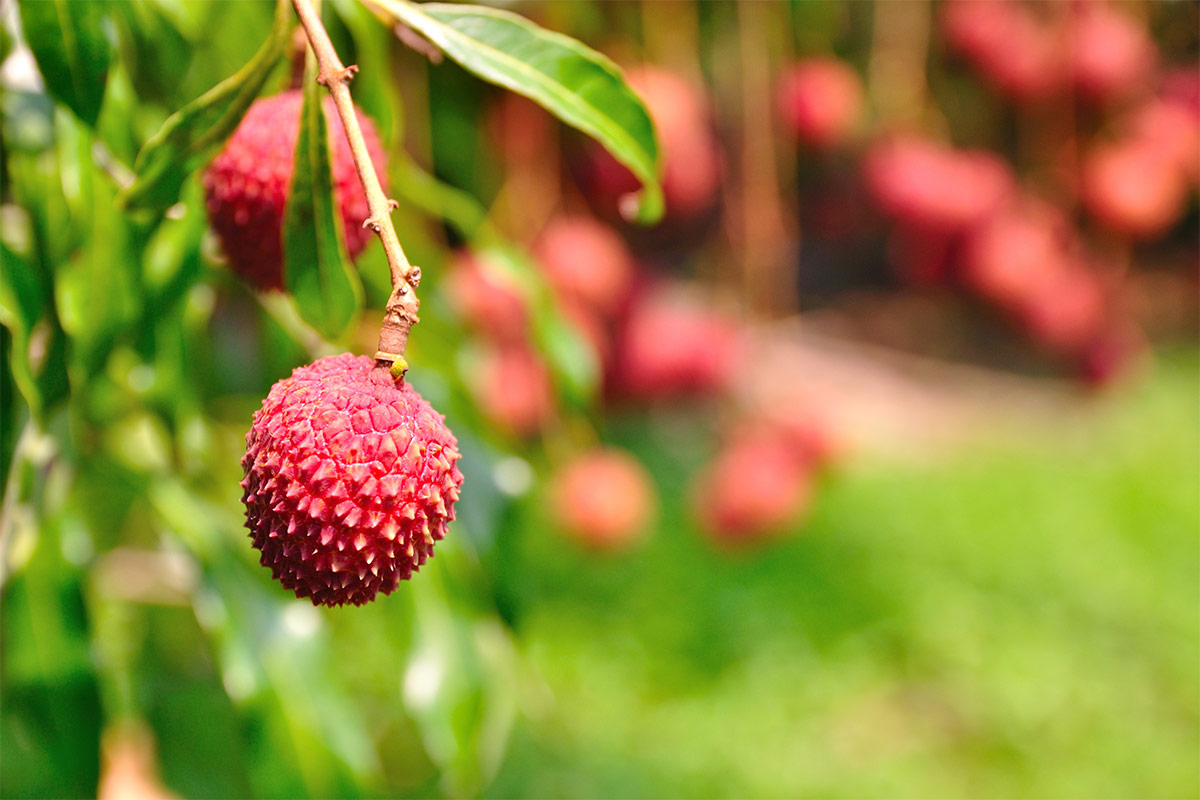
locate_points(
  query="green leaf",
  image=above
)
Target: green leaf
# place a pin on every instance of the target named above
(155, 53)
(38, 356)
(581, 87)
(316, 273)
(192, 135)
(67, 39)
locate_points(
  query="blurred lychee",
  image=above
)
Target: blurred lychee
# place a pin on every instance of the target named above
(1133, 188)
(931, 187)
(1017, 53)
(587, 262)
(486, 299)
(1111, 54)
(674, 344)
(752, 489)
(512, 385)
(819, 101)
(604, 499)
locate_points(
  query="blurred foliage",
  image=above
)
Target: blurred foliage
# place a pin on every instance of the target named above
(1016, 620)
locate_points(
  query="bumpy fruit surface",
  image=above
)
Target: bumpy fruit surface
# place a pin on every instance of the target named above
(247, 185)
(603, 499)
(350, 479)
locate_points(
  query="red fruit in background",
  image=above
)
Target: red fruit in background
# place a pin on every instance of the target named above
(350, 479)
(1012, 255)
(673, 344)
(247, 185)
(513, 388)
(1181, 86)
(751, 490)
(519, 128)
(604, 499)
(691, 154)
(486, 300)
(1171, 129)
(1111, 54)
(586, 262)
(819, 101)
(934, 188)
(1133, 188)
(1065, 311)
(1013, 51)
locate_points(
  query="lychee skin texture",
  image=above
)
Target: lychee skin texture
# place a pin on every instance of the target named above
(246, 187)
(350, 479)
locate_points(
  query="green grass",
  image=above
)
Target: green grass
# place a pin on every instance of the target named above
(1018, 618)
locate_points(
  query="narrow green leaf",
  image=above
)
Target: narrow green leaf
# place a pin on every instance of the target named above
(316, 273)
(581, 87)
(38, 355)
(192, 135)
(152, 48)
(72, 53)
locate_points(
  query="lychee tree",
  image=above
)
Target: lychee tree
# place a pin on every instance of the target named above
(133, 356)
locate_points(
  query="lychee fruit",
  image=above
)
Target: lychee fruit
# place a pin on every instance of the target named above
(1012, 255)
(586, 262)
(752, 489)
(604, 499)
(1014, 51)
(1134, 188)
(674, 344)
(819, 101)
(248, 184)
(350, 479)
(486, 299)
(1111, 54)
(513, 388)
(934, 188)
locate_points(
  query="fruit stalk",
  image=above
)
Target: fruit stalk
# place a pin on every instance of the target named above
(402, 306)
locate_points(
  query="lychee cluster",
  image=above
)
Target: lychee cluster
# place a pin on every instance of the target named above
(248, 184)
(350, 479)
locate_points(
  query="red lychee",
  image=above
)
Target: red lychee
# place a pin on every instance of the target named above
(1011, 256)
(1111, 54)
(350, 479)
(674, 344)
(248, 184)
(1134, 188)
(603, 499)
(586, 262)
(1015, 52)
(819, 101)
(931, 187)
(513, 388)
(751, 490)
(486, 299)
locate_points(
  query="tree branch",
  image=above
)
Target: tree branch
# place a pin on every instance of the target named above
(401, 312)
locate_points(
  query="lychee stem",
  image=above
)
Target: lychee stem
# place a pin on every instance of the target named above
(402, 306)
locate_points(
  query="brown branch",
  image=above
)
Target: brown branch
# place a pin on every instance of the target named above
(401, 312)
